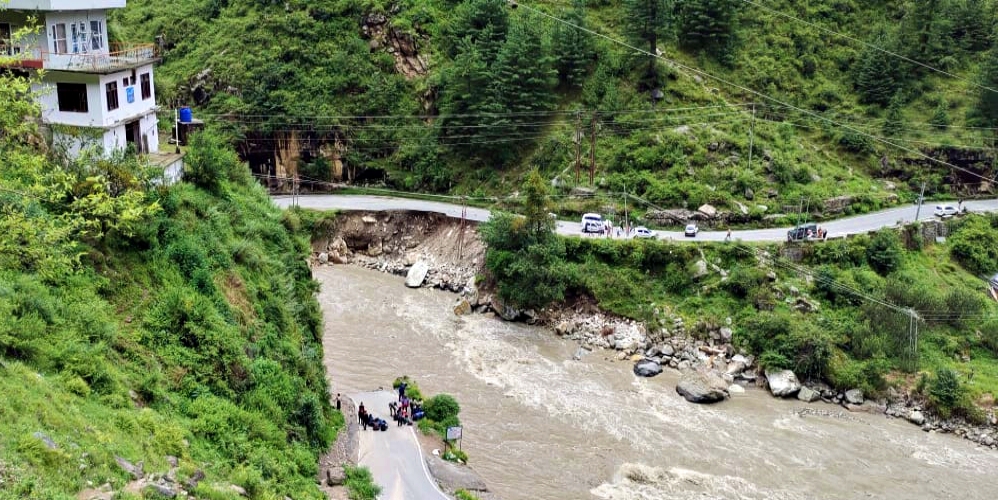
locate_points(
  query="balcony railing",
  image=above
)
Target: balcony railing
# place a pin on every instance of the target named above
(121, 56)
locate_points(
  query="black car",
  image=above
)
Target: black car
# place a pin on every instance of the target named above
(802, 231)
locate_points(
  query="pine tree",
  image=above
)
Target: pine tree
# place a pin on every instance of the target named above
(467, 98)
(894, 121)
(707, 24)
(524, 75)
(971, 24)
(875, 74)
(986, 110)
(647, 22)
(925, 31)
(485, 22)
(573, 47)
(940, 118)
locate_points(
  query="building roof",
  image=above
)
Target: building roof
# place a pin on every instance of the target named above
(54, 5)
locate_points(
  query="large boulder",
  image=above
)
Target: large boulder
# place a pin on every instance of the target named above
(708, 210)
(916, 417)
(417, 273)
(808, 395)
(699, 269)
(782, 383)
(697, 387)
(647, 368)
(854, 397)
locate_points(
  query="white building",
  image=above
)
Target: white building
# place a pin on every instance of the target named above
(93, 92)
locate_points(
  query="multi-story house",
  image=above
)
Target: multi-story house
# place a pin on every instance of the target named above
(93, 92)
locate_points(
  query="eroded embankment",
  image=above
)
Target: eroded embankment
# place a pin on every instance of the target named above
(453, 253)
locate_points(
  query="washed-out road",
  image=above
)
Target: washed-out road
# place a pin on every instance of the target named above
(836, 228)
(394, 456)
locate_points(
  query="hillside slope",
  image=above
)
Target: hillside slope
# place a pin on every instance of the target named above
(349, 88)
(140, 322)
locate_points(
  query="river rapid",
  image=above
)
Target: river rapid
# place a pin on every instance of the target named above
(540, 425)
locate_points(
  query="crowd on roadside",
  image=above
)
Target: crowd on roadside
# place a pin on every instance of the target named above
(405, 411)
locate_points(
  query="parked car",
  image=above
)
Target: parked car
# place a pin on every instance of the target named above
(691, 230)
(643, 232)
(944, 211)
(592, 223)
(994, 281)
(802, 232)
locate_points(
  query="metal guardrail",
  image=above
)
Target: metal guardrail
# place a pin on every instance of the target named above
(121, 56)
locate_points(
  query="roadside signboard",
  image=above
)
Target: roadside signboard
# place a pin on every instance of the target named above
(453, 433)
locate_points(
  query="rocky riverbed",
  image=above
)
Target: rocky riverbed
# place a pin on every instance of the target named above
(431, 250)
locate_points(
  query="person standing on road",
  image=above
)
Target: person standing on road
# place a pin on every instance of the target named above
(362, 415)
(402, 390)
(727, 237)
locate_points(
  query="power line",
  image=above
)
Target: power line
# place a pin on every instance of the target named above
(868, 45)
(759, 94)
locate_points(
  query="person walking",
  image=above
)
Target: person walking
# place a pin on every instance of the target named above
(727, 237)
(362, 415)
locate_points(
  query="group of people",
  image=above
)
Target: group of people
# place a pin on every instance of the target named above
(404, 412)
(368, 420)
(821, 233)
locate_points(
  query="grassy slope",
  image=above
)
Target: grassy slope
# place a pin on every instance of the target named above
(636, 278)
(652, 160)
(200, 342)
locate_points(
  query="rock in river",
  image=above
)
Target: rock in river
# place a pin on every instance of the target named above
(417, 273)
(916, 417)
(647, 368)
(808, 395)
(697, 388)
(782, 383)
(854, 397)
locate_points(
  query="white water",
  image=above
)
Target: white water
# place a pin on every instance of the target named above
(539, 425)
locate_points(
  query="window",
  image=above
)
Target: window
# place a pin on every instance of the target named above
(112, 96)
(59, 39)
(81, 42)
(72, 97)
(146, 86)
(96, 35)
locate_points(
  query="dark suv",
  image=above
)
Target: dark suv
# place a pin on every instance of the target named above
(802, 231)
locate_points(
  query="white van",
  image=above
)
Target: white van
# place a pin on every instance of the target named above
(592, 223)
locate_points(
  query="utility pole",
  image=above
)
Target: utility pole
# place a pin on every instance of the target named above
(751, 137)
(464, 215)
(626, 226)
(578, 146)
(921, 198)
(592, 151)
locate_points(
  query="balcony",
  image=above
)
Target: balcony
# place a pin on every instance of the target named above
(120, 58)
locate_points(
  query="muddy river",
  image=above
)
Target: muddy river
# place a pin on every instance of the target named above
(539, 425)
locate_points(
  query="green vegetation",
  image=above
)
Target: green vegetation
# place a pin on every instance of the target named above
(846, 322)
(360, 484)
(141, 321)
(464, 495)
(513, 88)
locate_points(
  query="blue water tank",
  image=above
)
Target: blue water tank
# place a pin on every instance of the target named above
(186, 115)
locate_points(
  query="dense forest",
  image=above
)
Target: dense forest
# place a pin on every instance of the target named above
(751, 104)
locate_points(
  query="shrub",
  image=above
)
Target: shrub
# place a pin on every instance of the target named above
(975, 246)
(464, 495)
(360, 484)
(884, 253)
(209, 161)
(945, 392)
(441, 407)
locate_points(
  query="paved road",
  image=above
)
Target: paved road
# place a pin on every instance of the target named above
(394, 457)
(836, 228)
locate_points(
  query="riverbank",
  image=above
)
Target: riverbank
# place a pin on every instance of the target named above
(447, 255)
